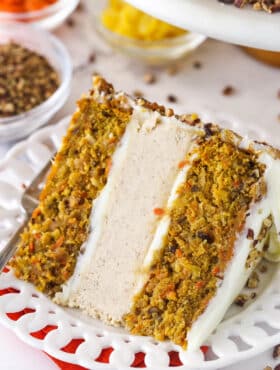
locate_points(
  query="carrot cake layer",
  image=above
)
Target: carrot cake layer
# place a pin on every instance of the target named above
(59, 226)
(150, 220)
(205, 219)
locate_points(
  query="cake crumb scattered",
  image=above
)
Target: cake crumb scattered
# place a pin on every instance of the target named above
(197, 64)
(138, 94)
(191, 119)
(250, 234)
(253, 281)
(92, 58)
(149, 78)
(241, 300)
(263, 269)
(228, 90)
(169, 112)
(172, 98)
(70, 22)
(80, 7)
(172, 70)
(253, 295)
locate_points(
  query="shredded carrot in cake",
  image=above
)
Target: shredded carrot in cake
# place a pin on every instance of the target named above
(159, 211)
(182, 164)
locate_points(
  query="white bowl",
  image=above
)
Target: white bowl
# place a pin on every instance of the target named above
(21, 125)
(49, 17)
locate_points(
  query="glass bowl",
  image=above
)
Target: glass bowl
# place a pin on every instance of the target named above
(151, 52)
(34, 38)
(49, 17)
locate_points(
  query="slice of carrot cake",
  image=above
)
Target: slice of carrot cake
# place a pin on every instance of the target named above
(150, 220)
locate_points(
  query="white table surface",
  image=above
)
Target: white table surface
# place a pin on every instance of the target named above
(254, 105)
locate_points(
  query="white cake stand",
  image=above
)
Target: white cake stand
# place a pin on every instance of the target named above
(245, 27)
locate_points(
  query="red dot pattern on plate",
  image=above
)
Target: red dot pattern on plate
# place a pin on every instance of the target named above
(71, 347)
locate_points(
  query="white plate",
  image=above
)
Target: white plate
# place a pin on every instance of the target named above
(223, 22)
(244, 333)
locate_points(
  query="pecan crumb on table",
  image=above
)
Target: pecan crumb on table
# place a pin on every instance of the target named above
(149, 78)
(172, 98)
(70, 22)
(197, 64)
(228, 90)
(92, 58)
(172, 70)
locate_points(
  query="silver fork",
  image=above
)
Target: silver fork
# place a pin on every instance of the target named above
(29, 202)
